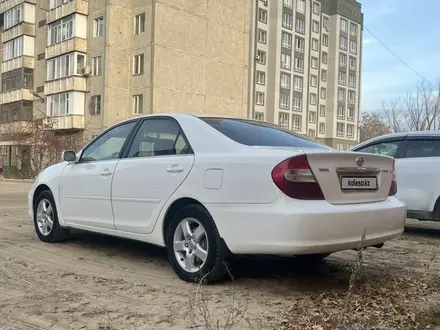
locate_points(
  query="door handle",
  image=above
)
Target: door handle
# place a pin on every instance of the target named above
(175, 169)
(106, 172)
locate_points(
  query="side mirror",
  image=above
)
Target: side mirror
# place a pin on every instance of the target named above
(68, 156)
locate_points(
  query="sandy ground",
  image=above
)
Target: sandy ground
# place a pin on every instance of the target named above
(98, 282)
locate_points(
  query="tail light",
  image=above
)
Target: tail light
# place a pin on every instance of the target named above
(393, 188)
(295, 178)
(1, 170)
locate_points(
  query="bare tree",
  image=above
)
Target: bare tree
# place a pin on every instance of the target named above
(372, 125)
(394, 117)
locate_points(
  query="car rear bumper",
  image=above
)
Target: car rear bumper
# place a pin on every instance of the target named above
(306, 227)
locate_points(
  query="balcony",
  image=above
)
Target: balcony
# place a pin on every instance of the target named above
(65, 84)
(67, 122)
(18, 30)
(18, 62)
(8, 4)
(67, 46)
(75, 6)
(17, 95)
(16, 128)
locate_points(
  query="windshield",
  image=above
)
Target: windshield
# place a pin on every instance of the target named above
(256, 133)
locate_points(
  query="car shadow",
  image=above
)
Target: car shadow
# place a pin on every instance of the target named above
(425, 230)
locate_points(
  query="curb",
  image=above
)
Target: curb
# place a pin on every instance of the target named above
(17, 180)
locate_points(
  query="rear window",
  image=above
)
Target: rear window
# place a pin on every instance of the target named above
(256, 133)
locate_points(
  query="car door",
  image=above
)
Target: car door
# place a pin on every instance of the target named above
(157, 162)
(85, 185)
(420, 167)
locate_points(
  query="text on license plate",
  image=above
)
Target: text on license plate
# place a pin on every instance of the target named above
(359, 183)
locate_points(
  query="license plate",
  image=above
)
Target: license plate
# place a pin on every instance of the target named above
(358, 183)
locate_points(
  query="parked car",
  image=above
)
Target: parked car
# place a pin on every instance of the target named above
(207, 188)
(417, 156)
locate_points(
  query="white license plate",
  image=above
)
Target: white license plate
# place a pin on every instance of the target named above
(359, 183)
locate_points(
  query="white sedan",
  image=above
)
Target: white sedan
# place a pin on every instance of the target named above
(207, 188)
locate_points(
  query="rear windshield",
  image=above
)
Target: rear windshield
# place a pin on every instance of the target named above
(256, 133)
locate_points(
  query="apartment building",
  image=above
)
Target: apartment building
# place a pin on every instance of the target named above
(86, 65)
(306, 72)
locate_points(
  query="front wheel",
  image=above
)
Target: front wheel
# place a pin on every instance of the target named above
(46, 219)
(194, 246)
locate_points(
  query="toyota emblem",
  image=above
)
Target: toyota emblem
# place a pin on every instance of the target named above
(360, 161)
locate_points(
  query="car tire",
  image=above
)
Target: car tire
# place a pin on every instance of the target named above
(201, 236)
(46, 219)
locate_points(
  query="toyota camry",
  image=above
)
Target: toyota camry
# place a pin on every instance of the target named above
(208, 188)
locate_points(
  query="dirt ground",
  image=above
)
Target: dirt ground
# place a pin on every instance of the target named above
(97, 282)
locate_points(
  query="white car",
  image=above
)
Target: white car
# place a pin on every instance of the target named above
(208, 188)
(417, 156)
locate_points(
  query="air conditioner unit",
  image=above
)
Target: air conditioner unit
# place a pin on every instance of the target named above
(265, 2)
(257, 57)
(86, 71)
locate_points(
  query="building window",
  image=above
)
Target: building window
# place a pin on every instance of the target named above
(315, 44)
(343, 43)
(59, 104)
(312, 117)
(323, 75)
(350, 115)
(299, 26)
(340, 128)
(17, 79)
(14, 16)
(353, 29)
(95, 105)
(315, 26)
(325, 39)
(316, 8)
(342, 78)
(138, 104)
(325, 22)
(261, 57)
(287, 21)
(296, 123)
(323, 93)
(259, 116)
(287, 3)
(312, 134)
(138, 64)
(262, 36)
(286, 40)
(344, 25)
(13, 48)
(341, 94)
(353, 63)
(342, 60)
(61, 30)
(284, 101)
(259, 98)
(299, 44)
(98, 29)
(285, 81)
(57, 3)
(261, 78)
(341, 112)
(313, 80)
(97, 66)
(353, 47)
(286, 61)
(299, 64)
(283, 120)
(139, 23)
(324, 58)
(313, 98)
(297, 103)
(301, 6)
(298, 86)
(351, 97)
(65, 65)
(321, 128)
(350, 131)
(314, 62)
(352, 80)
(262, 15)
(322, 110)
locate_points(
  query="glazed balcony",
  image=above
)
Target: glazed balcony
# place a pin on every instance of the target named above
(8, 4)
(72, 83)
(66, 122)
(18, 30)
(15, 128)
(67, 46)
(66, 9)
(17, 95)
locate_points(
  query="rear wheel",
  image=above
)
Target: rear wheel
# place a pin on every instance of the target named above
(195, 247)
(46, 219)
